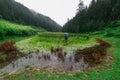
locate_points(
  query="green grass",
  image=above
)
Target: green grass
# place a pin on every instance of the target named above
(12, 29)
(44, 42)
(14, 32)
(13, 38)
(105, 71)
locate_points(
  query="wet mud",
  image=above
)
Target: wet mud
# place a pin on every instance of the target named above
(62, 61)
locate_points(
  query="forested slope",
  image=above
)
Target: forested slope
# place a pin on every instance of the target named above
(95, 17)
(16, 12)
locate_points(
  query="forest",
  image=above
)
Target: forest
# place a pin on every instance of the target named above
(97, 16)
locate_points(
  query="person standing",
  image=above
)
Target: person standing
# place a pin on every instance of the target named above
(66, 38)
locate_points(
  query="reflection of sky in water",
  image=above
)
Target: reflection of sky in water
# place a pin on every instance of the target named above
(47, 60)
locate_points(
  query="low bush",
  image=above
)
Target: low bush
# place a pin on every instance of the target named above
(0, 16)
(109, 34)
(7, 46)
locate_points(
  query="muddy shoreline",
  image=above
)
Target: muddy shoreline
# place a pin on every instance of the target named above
(60, 61)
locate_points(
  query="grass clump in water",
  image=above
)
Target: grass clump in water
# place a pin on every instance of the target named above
(44, 42)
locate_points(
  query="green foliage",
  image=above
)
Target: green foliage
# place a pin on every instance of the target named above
(10, 29)
(114, 24)
(0, 17)
(109, 34)
(95, 17)
(2, 34)
(113, 32)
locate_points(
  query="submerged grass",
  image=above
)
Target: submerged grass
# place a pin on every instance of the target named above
(44, 41)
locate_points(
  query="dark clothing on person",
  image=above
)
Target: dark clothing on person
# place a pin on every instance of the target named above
(66, 37)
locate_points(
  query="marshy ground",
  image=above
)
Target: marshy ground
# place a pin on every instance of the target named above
(82, 58)
(82, 52)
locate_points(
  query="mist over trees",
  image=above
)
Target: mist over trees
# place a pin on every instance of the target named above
(16, 12)
(95, 17)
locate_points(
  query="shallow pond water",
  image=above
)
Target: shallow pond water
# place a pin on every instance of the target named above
(64, 62)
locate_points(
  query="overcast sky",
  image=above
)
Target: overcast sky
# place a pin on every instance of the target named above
(58, 10)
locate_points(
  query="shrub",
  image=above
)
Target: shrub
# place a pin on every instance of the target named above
(0, 16)
(117, 35)
(2, 34)
(7, 46)
(109, 34)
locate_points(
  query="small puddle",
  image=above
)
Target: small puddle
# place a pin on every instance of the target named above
(63, 62)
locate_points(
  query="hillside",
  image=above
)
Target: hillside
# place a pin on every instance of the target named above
(16, 12)
(94, 17)
(11, 29)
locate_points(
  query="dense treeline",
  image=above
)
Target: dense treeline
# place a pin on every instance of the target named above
(95, 17)
(16, 12)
